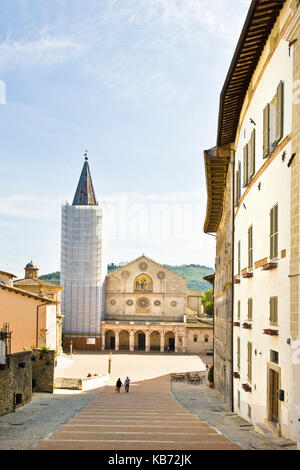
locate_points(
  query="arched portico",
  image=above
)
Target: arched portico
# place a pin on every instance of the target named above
(139, 340)
(124, 340)
(110, 340)
(155, 341)
(169, 340)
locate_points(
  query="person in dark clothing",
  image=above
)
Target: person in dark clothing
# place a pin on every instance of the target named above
(118, 385)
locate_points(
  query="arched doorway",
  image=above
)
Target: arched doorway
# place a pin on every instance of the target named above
(155, 341)
(124, 340)
(110, 340)
(169, 340)
(139, 341)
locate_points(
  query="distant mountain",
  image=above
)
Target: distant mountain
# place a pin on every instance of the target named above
(194, 274)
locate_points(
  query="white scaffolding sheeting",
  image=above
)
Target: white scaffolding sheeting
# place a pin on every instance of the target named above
(82, 273)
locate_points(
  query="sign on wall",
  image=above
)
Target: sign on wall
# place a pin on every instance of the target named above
(91, 341)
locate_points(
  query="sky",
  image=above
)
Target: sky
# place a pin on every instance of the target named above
(137, 84)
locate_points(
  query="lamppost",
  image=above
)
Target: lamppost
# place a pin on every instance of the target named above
(109, 363)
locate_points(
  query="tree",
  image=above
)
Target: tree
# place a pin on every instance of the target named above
(208, 302)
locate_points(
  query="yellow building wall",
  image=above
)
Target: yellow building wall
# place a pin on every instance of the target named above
(21, 314)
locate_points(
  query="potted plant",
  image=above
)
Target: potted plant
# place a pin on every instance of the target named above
(210, 377)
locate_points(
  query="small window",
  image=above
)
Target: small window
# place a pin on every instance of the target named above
(274, 356)
(249, 411)
(206, 339)
(239, 400)
(239, 310)
(195, 339)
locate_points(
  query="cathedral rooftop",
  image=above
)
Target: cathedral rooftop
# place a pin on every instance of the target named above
(85, 194)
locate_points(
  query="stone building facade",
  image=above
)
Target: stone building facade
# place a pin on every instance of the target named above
(32, 283)
(146, 309)
(259, 120)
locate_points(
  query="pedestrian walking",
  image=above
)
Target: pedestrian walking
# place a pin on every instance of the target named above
(126, 383)
(118, 385)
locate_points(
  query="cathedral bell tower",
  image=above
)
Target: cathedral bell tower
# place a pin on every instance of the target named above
(82, 270)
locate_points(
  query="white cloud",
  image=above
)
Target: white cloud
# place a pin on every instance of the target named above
(46, 51)
(135, 48)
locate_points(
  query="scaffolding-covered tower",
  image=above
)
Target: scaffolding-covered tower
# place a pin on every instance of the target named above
(82, 273)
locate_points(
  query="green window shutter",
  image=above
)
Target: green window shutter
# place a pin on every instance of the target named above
(279, 111)
(236, 189)
(245, 163)
(239, 180)
(275, 310)
(266, 131)
(250, 248)
(275, 244)
(252, 153)
(250, 304)
(271, 319)
(250, 361)
(271, 233)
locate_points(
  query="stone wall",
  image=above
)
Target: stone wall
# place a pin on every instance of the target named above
(223, 299)
(15, 382)
(43, 365)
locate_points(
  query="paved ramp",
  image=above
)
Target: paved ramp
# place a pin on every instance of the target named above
(146, 418)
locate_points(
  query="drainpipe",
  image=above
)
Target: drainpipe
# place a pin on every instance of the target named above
(232, 276)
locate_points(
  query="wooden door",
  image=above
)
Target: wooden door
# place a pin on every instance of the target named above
(141, 341)
(274, 388)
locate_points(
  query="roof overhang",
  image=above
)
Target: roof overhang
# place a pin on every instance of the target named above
(260, 20)
(216, 162)
(8, 274)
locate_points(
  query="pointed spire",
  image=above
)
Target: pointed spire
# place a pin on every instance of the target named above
(85, 194)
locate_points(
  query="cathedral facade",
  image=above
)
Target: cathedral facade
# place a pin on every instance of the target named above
(149, 308)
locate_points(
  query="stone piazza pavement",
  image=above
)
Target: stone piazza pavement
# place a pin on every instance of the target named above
(156, 414)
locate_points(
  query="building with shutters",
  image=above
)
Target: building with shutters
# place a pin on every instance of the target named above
(253, 207)
(82, 267)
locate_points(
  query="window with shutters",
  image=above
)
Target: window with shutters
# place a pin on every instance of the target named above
(239, 258)
(274, 233)
(239, 399)
(238, 352)
(249, 160)
(250, 247)
(251, 155)
(250, 309)
(273, 311)
(238, 183)
(249, 346)
(273, 122)
(245, 166)
(239, 310)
